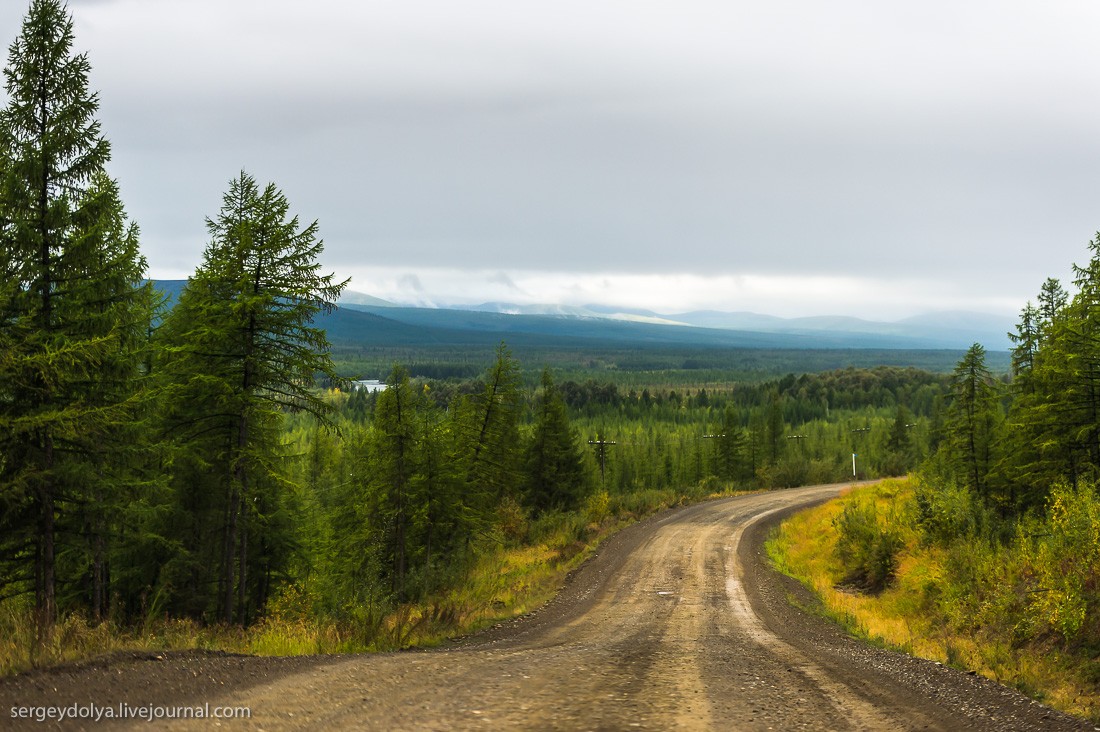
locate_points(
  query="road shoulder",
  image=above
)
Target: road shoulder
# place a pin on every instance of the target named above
(948, 698)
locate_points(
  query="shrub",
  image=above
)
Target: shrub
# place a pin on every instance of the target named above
(867, 549)
(1065, 564)
(597, 507)
(945, 512)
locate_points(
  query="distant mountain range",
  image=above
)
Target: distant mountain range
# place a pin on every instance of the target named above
(369, 320)
(947, 329)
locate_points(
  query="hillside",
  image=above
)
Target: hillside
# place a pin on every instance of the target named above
(933, 341)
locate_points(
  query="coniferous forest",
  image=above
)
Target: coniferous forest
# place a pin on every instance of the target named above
(205, 462)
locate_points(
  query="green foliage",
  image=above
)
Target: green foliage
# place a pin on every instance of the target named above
(1021, 607)
(211, 468)
(899, 444)
(640, 365)
(946, 511)
(555, 477)
(73, 319)
(867, 545)
(238, 350)
(597, 507)
(1054, 420)
(487, 445)
(971, 422)
(730, 445)
(1062, 557)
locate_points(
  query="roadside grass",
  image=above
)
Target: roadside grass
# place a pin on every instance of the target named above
(927, 612)
(508, 580)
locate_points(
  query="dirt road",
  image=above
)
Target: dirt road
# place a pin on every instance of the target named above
(677, 624)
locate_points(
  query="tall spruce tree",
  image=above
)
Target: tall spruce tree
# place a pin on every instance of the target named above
(241, 347)
(73, 315)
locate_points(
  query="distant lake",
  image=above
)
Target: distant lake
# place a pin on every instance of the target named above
(369, 385)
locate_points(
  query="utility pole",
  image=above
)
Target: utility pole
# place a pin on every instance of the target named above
(857, 431)
(601, 453)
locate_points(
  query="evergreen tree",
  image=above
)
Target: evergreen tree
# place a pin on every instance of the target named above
(435, 487)
(1056, 416)
(111, 483)
(487, 440)
(554, 476)
(1052, 302)
(730, 447)
(1026, 340)
(773, 428)
(396, 456)
(240, 348)
(73, 316)
(1077, 346)
(1039, 444)
(899, 445)
(971, 421)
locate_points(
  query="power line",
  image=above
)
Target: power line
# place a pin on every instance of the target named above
(601, 452)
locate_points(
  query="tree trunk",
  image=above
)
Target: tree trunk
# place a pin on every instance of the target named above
(99, 572)
(46, 604)
(228, 556)
(242, 581)
(237, 508)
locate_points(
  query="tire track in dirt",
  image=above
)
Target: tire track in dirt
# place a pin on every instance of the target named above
(675, 623)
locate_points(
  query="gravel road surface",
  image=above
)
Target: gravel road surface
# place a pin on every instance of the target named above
(677, 623)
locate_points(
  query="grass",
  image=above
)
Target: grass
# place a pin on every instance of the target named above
(914, 613)
(508, 581)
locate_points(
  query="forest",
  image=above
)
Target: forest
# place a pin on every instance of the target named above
(209, 460)
(988, 558)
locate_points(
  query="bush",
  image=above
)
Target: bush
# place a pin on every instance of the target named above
(597, 507)
(788, 473)
(946, 512)
(867, 549)
(1064, 561)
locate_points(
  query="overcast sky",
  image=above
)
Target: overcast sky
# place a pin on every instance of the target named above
(793, 157)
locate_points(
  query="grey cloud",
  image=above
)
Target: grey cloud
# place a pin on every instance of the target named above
(948, 141)
(500, 278)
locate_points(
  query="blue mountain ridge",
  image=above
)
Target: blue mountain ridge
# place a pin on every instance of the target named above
(367, 320)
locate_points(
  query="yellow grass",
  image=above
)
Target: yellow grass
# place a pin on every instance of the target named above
(506, 582)
(904, 618)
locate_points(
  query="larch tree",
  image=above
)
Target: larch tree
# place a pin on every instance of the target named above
(774, 427)
(396, 458)
(899, 444)
(73, 315)
(487, 444)
(730, 446)
(554, 477)
(240, 348)
(971, 421)
(1052, 302)
(1026, 342)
